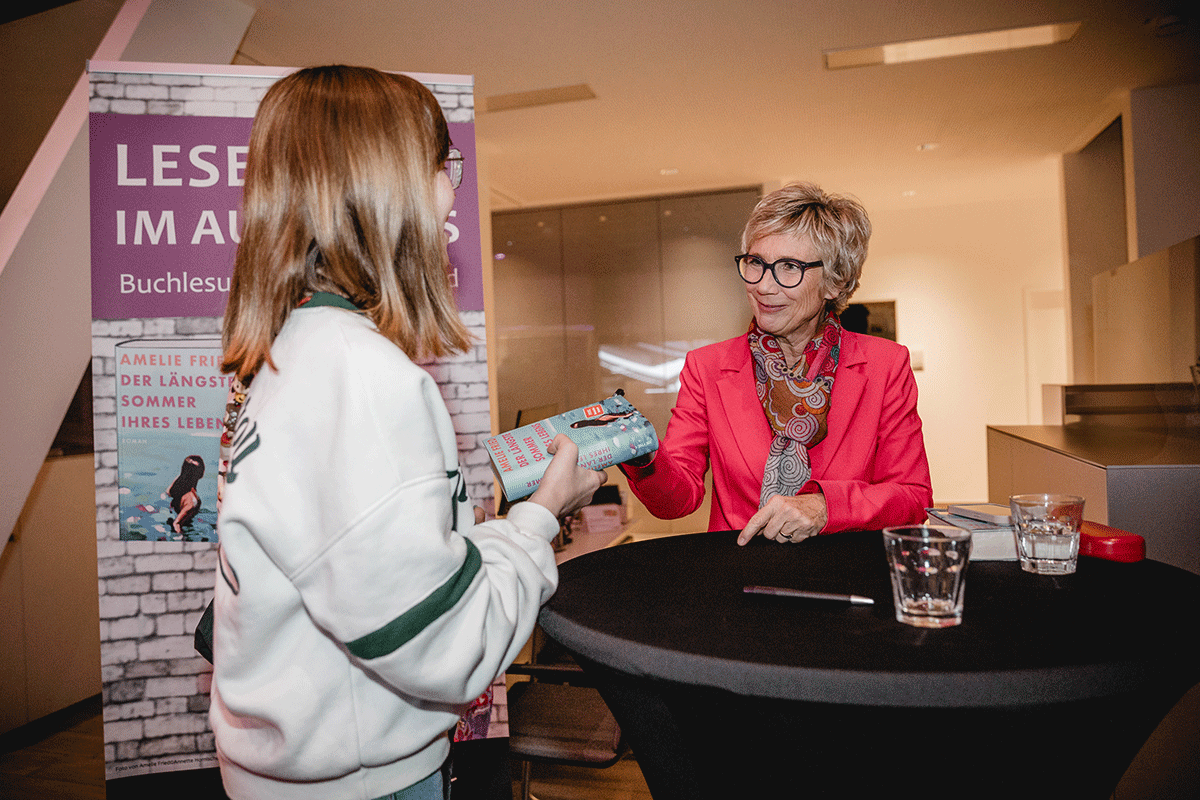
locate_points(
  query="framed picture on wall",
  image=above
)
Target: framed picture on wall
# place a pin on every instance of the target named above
(875, 319)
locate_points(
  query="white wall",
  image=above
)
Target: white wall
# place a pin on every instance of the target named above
(1145, 318)
(1095, 208)
(969, 281)
(1162, 167)
(49, 618)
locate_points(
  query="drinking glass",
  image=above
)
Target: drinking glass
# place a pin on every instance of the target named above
(928, 565)
(1046, 527)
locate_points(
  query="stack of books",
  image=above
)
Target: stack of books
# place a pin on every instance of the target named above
(990, 524)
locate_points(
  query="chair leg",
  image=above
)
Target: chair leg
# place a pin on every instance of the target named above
(526, 775)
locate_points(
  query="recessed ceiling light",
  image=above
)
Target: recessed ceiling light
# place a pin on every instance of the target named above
(947, 46)
(927, 146)
(668, 171)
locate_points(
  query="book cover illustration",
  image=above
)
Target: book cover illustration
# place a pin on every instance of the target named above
(170, 414)
(609, 432)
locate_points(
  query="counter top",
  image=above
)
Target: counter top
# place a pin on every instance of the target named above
(1109, 446)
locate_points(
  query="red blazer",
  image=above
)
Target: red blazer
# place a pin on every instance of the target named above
(871, 466)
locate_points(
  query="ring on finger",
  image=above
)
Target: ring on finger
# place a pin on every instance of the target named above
(786, 537)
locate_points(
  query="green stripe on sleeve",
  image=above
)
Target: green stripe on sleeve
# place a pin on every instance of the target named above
(403, 628)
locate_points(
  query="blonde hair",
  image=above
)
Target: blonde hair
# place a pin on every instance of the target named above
(836, 225)
(340, 196)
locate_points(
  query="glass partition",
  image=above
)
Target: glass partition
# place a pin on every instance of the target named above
(592, 298)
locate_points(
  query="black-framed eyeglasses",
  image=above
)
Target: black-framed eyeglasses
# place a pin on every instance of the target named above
(788, 272)
(454, 167)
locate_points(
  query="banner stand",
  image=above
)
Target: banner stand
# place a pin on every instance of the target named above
(167, 153)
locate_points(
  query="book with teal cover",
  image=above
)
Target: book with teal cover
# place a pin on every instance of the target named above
(170, 408)
(609, 432)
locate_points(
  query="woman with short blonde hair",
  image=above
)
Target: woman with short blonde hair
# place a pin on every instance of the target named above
(805, 426)
(837, 225)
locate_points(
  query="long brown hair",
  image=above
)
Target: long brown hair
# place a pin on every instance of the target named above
(339, 196)
(190, 473)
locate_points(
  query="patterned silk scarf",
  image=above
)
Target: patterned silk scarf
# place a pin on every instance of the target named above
(796, 402)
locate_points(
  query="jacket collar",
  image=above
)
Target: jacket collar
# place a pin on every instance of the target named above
(738, 399)
(318, 299)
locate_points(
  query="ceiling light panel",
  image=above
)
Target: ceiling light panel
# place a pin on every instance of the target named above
(540, 97)
(949, 46)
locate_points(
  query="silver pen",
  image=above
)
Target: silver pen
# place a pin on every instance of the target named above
(779, 591)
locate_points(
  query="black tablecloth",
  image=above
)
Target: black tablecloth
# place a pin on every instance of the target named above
(666, 624)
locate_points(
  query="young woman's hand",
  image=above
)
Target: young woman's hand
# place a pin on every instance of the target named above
(566, 487)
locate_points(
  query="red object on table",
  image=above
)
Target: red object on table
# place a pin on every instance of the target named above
(1111, 544)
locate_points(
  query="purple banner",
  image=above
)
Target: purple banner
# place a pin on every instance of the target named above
(466, 259)
(166, 193)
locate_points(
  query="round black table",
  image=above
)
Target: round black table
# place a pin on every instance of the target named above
(1049, 686)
